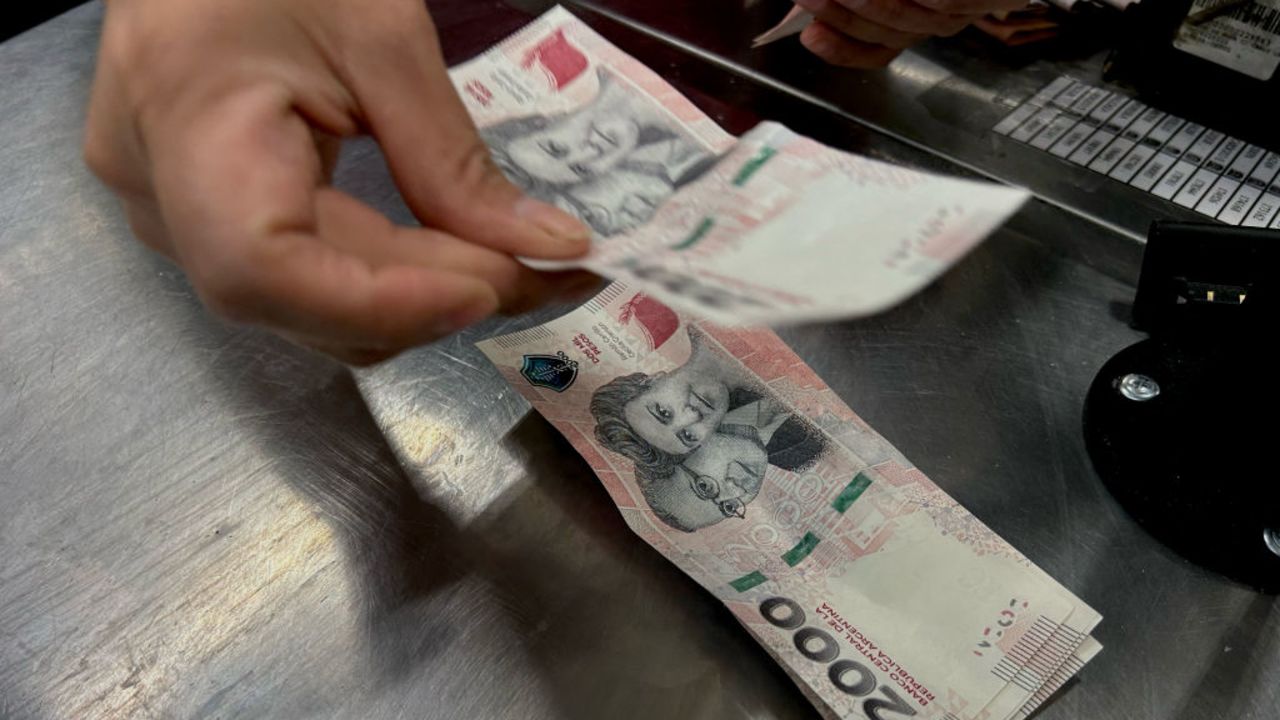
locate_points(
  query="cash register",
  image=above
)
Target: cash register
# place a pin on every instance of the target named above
(1178, 425)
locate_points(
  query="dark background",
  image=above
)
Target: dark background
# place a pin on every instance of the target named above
(25, 14)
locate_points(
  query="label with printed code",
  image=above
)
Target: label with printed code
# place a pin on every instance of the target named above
(1245, 39)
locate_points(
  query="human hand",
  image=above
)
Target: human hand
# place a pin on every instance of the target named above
(871, 33)
(218, 122)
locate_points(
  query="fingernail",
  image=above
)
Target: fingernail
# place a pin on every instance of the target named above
(553, 220)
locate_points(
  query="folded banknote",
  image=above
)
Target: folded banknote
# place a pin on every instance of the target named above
(764, 229)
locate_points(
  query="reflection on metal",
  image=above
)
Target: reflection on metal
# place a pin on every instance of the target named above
(1272, 539)
(1138, 387)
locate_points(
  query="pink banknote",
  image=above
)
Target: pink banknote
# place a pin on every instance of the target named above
(764, 229)
(877, 592)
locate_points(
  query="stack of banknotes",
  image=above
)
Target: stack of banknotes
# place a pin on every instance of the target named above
(874, 589)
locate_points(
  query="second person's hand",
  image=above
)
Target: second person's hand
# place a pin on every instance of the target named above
(871, 33)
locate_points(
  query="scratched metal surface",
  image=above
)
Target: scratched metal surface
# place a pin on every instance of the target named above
(198, 521)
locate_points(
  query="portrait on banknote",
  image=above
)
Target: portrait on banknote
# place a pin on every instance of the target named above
(611, 161)
(701, 435)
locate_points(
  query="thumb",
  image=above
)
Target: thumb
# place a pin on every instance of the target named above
(442, 167)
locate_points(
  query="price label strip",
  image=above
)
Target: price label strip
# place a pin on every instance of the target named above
(1167, 156)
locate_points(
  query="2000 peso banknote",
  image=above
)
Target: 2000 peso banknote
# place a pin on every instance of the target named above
(768, 228)
(879, 594)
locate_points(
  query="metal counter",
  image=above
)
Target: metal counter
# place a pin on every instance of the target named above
(200, 521)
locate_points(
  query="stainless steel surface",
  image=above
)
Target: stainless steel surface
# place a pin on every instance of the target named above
(198, 521)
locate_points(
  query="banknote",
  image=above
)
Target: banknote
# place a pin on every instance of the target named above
(1050, 648)
(880, 595)
(764, 229)
(1046, 651)
(1086, 651)
(795, 21)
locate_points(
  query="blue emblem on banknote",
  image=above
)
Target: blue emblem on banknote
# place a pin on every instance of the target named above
(556, 372)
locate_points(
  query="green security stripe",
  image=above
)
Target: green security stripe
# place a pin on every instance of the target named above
(753, 165)
(851, 492)
(703, 228)
(748, 581)
(802, 549)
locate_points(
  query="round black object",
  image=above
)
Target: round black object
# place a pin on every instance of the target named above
(1185, 437)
